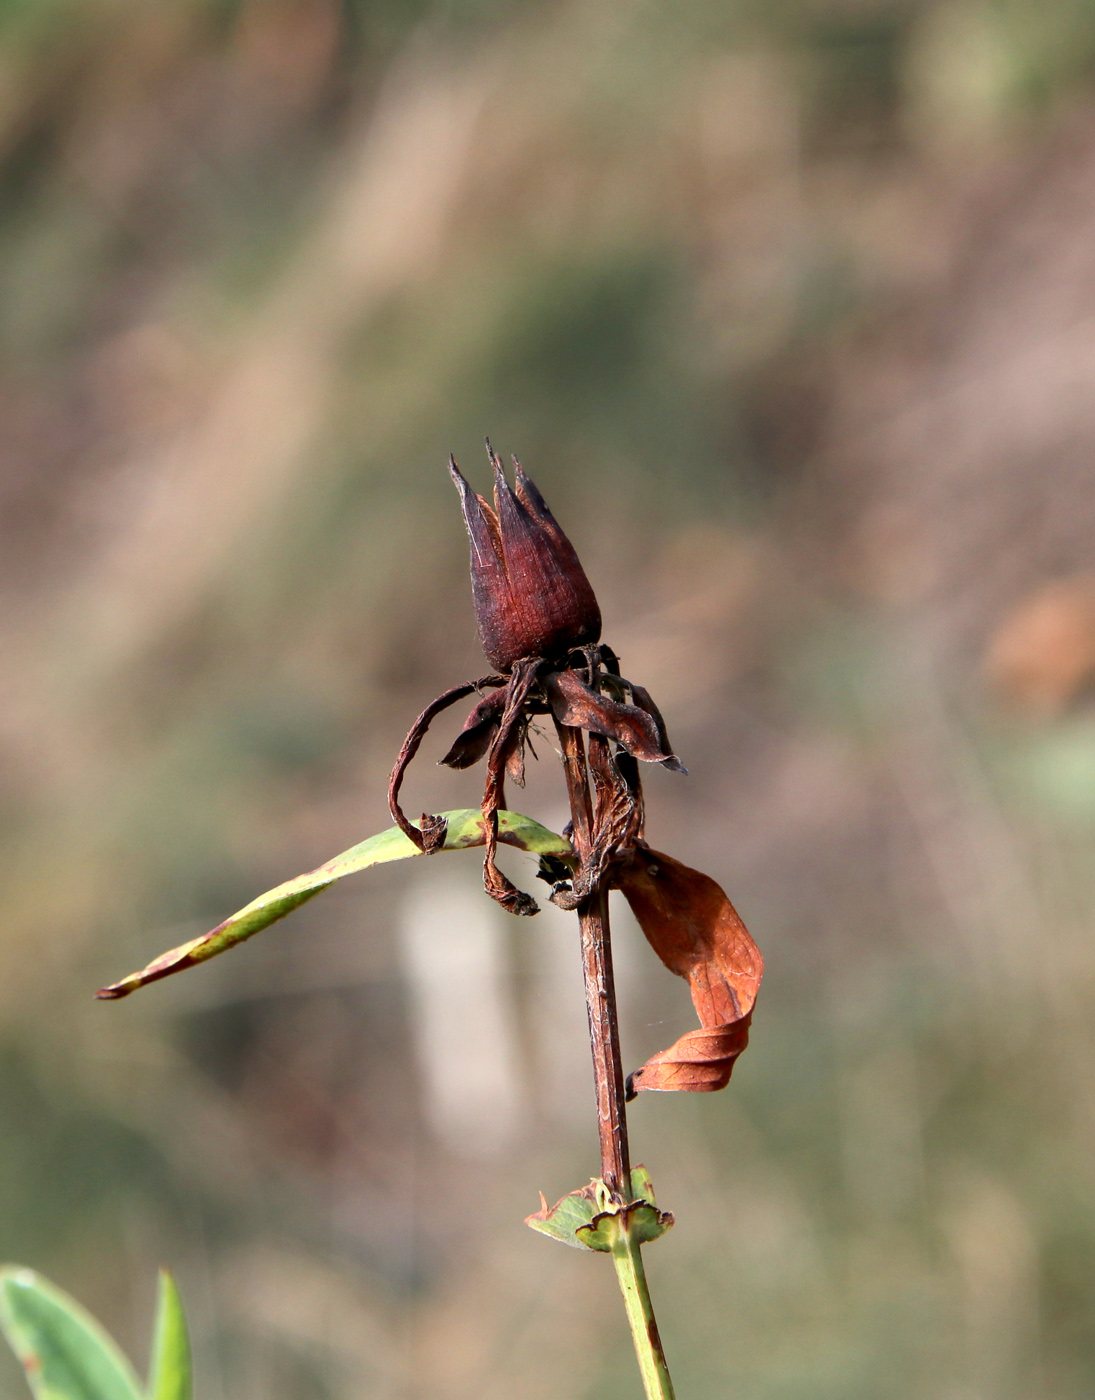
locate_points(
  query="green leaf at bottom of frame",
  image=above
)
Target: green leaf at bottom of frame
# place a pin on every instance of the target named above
(170, 1374)
(65, 1353)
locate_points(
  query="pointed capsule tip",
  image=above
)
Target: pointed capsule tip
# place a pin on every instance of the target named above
(530, 497)
(495, 461)
(501, 485)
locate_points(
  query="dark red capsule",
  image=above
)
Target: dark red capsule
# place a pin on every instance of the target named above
(531, 595)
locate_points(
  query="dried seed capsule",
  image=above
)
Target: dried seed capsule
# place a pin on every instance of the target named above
(531, 595)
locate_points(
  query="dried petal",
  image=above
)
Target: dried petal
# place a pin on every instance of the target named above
(507, 736)
(574, 703)
(531, 595)
(473, 741)
(645, 701)
(515, 758)
(696, 932)
(617, 824)
(430, 834)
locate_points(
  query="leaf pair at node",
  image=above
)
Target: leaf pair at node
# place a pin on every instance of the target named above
(590, 1218)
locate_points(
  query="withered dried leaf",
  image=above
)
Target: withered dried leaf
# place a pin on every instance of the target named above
(574, 703)
(473, 741)
(696, 931)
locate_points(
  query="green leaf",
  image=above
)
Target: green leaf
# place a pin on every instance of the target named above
(64, 1351)
(170, 1372)
(588, 1219)
(565, 1218)
(645, 1221)
(642, 1221)
(463, 830)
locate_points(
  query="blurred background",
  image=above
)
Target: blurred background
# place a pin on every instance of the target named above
(789, 309)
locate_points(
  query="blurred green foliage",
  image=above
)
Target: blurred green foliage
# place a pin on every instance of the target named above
(66, 1354)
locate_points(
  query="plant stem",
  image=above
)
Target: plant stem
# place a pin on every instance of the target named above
(608, 1078)
(604, 1040)
(628, 1259)
(604, 1034)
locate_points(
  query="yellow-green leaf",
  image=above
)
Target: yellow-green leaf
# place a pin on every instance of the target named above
(170, 1375)
(566, 1217)
(463, 830)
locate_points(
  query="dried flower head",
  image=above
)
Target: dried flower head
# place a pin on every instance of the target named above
(540, 627)
(540, 624)
(531, 595)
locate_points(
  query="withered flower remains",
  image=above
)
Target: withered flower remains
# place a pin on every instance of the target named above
(531, 595)
(540, 625)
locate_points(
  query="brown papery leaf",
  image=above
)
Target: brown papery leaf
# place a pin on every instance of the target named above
(696, 931)
(473, 741)
(572, 702)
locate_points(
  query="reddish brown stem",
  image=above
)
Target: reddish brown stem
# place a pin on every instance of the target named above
(604, 1034)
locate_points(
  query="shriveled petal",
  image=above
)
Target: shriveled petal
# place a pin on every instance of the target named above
(508, 735)
(430, 832)
(695, 930)
(645, 701)
(515, 758)
(473, 741)
(574, 703)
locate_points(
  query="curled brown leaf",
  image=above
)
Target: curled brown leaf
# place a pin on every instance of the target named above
(645, 701)
(473, 741)
(429, 836)
(574, 703)
(696, 931)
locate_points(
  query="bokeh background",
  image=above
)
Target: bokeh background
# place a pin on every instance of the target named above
(789, 308)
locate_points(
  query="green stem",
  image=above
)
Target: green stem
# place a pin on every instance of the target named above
(640, 1315)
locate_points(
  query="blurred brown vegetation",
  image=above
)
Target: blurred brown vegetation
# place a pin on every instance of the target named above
(790, 311)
